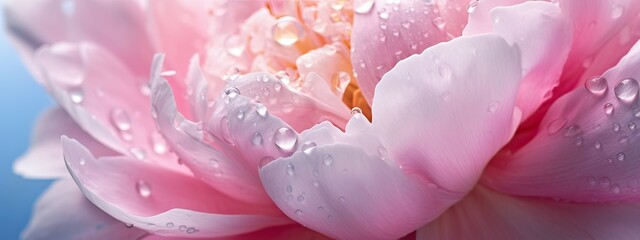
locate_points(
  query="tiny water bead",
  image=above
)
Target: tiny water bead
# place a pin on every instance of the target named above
(287, 31)
(285, 139)
(191, 230)
(261, 110)
(120, 119)
(472, 6)
(363, 6)
(298, 212)
(307, 147)
(256, 140)
(627, 90)
(596, 85)
(493, 106)
(231, 92)
(356, 111)
(616, 127)
(616, 11)
(291, 169)
(620, 156)
(383, 14)
(170, 225)
(327, 159)
(76, 95)
(143, 188)
(608, 109)
(289, 188)
(382, 152)
(158, 143)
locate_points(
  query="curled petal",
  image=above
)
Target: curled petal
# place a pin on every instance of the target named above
(427, 101)
(150, 201)
(585, 148)
(44, 158)
(390, 32)
(62, 212)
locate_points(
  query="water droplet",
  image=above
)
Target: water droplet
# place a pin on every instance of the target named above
(627, 90)
(439, 23)
(76, 95)
(341, 198)
(631, 126)
(158, 143)
(620, 156)
(383, 14)
(592, 181)
(128, 225)
(182, 228)
(472, 6)
(287, 31)
(289, 188)
(300, 198)
(598, 145)
(191, 230)
(445, 95)
(290, 169)
(298, 212)
(307, 147)
(615, 188)
(493, 106)
(169, 73)
(382, 152)
(571, 131)
(406, 24)
(231, 93)
(555, 125)
(120, 119)
(240, 115)
(82, 161)
(616, 127)
(636, 112)
(320, 209)
(327, 159)
(143, 188)
(235, 45)
(578, 141)
(232, 74)
(356, 111)
(170, 225)
(616, 11)
(608, 108)
(262, 110)
(395, 33)
(256, 140)
(341, 81)
(363, 6)
(382, 37)
(285, 139)
(138, 153)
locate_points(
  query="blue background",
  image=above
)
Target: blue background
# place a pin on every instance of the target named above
(22, 100)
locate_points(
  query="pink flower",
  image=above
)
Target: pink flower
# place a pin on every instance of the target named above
(490, 119)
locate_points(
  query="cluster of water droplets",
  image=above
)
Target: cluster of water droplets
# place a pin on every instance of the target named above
(626, 92)
(182, 228)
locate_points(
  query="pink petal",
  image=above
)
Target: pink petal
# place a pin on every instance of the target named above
(486, 214)
(117, 26)
(160, 200)
(480, 18)
(290, 232)
(585, 148)
(390, 32)
(104, 98)
(543, 35)
(44, 158)
(325, 188)
(62, 212)
(427, 102)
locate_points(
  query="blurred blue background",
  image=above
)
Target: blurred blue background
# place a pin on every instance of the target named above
(22, 100)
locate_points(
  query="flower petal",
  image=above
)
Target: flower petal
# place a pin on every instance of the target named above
(44, 158)
(160, 200)
(290, 232)
(392, 31)
(117, 26)
(543, 35)
(586, 146)
(325, 188)
(62, 212)
(486, 214)
(104, 98)
(444, 113)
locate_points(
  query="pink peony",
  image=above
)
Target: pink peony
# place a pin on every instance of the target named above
(498, 119)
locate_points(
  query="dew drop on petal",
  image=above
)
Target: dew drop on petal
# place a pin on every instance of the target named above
(120, 119)
(262, 110)
(290, 169)
(493, 106)
(285, 139)
(170, 225)
(143, 188)
(287, 31)
(596, 86)
(608, 109)
(556, 125)
(307, 147)
(356, 111)
(327, 159)
(616, 11)
(616, 127)
(627, 90)
(383, 14)
(298, 212)
(382, 152)
(76, 95)
(620, 156)
(158, 143)
(256, 140)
